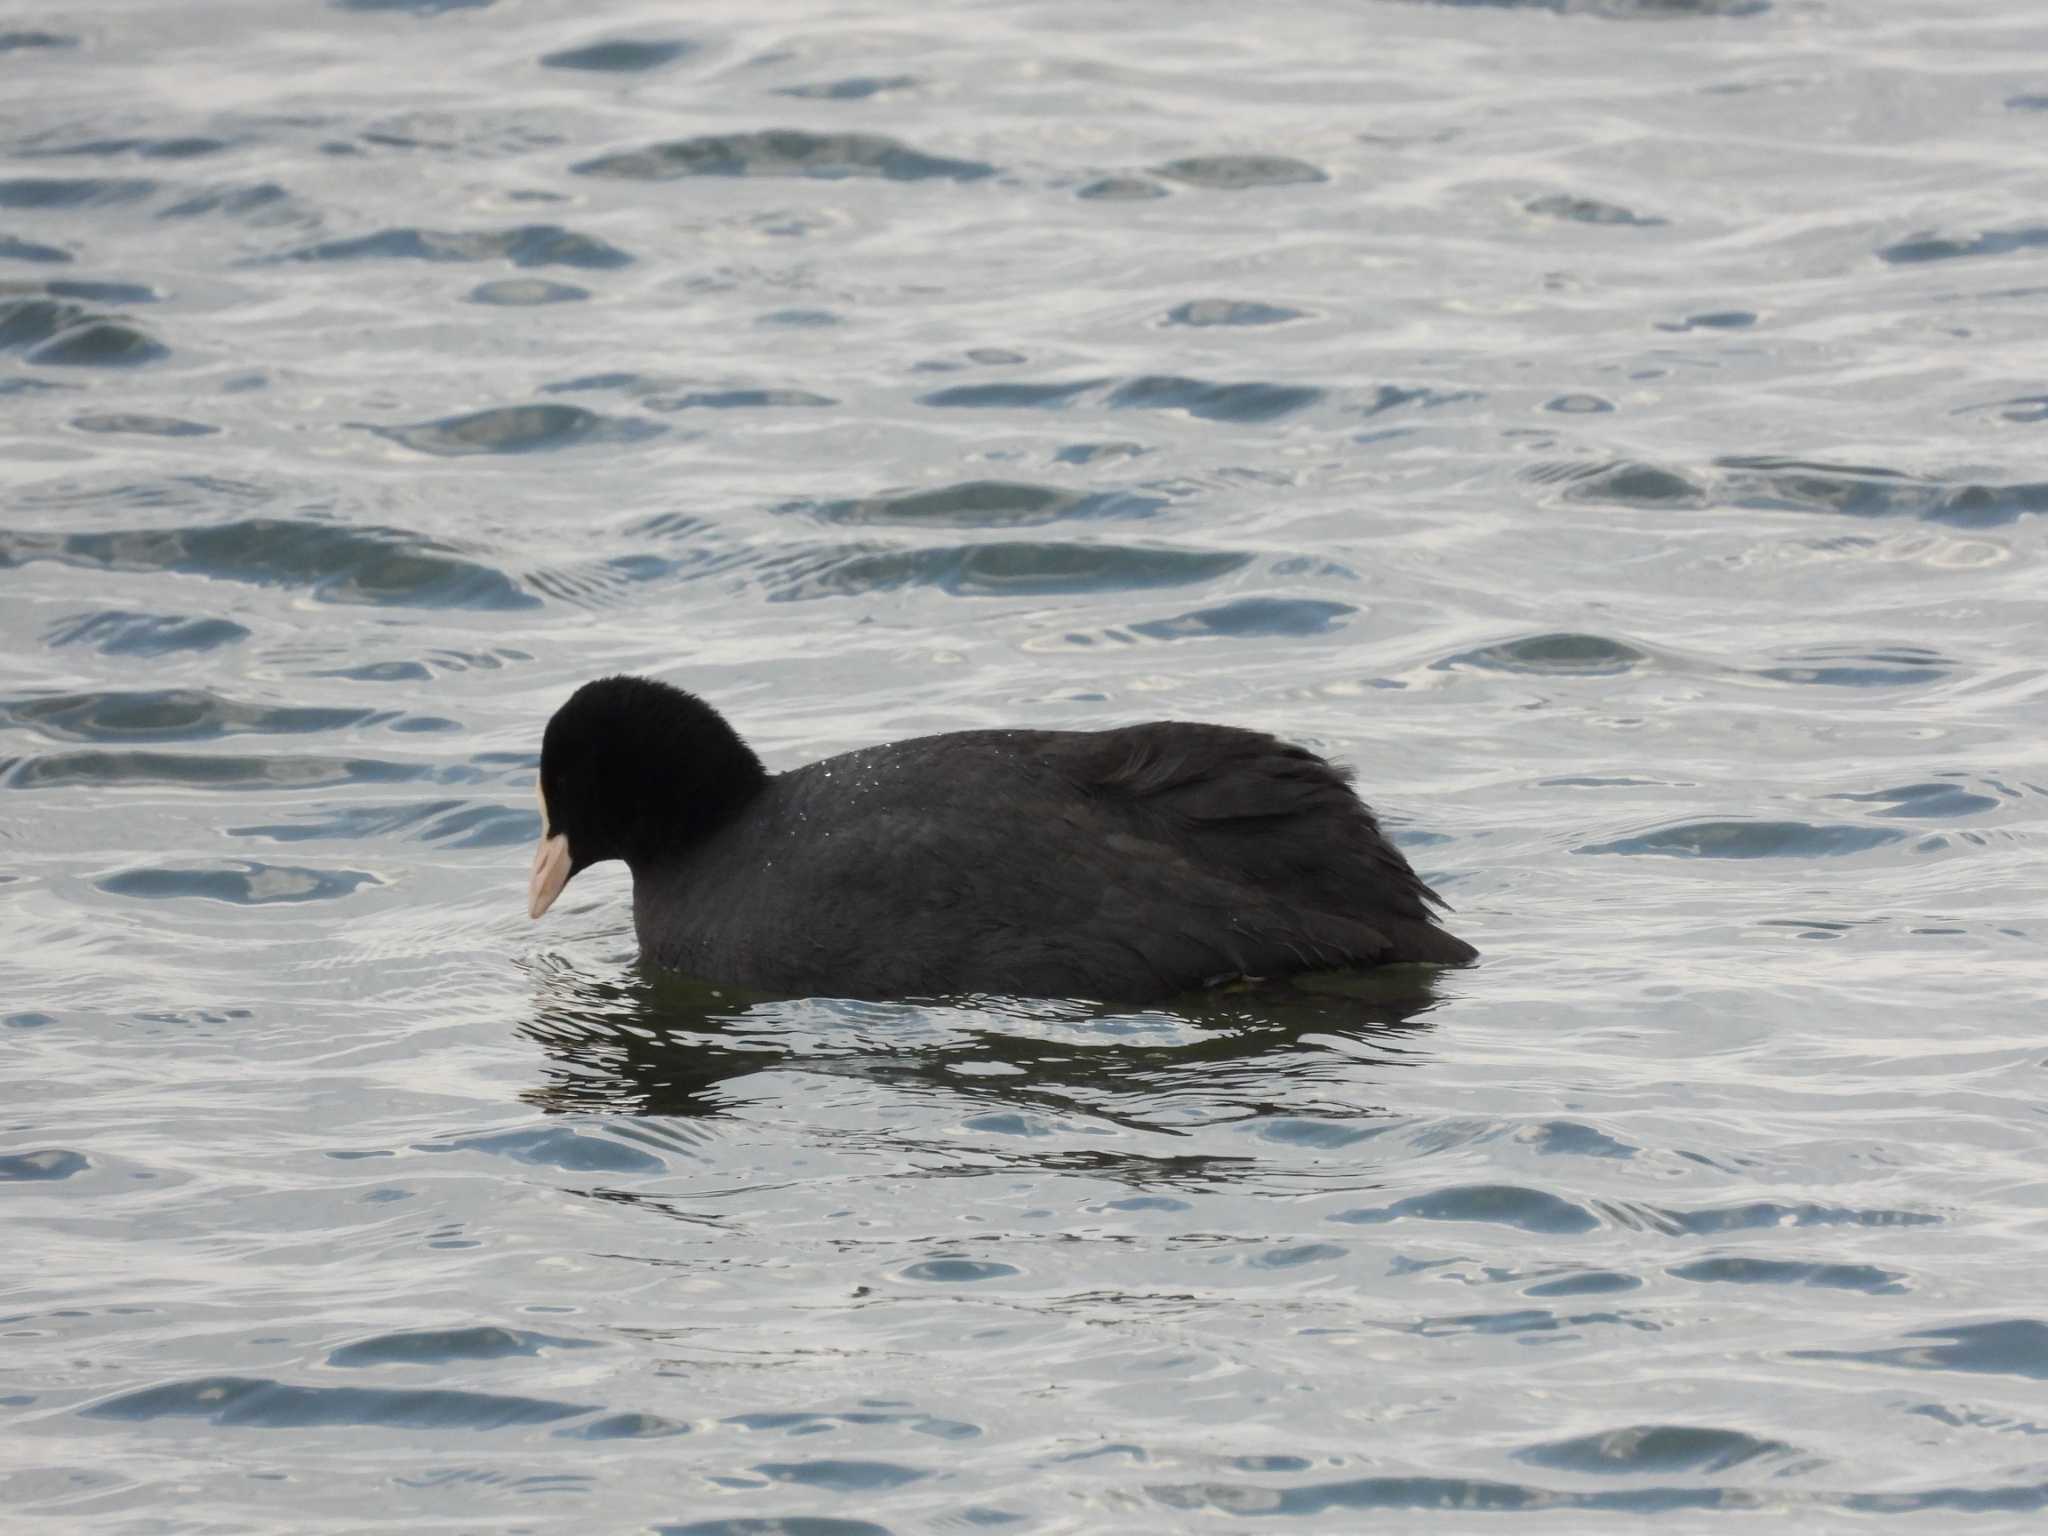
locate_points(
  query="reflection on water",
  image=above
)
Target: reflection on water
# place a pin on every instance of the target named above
(654, 1042)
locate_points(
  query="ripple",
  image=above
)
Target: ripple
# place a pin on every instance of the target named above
(13, 249)
(450, 1346)
(1761, 1214)
(452, 823)
(558, 1147)
(982, 504)
(1658, 1448)
(1857, 490)
(620, 55)
(119, 633)
(1551, 655)
(1588, 210)
(517, 429)
(1938, 798)
(192, 770)
(991, 570)
(1230, 312)
(2010, 1347)
(1990, 242)
(739, 400)
(529, 245)
(1210, 401)
(1712, 320)
(168, 714)
(1012, 396)
(1630, 485)
(1735, 1269)
(10, 41)
(842, 1476)
(1295, 1255)
(782, 152)
(791, 1525)
(1507, 1205)
(44, 1165)
(1751, 840)
(1122, 189)
(60, 333)
(625, 1426)
(1588, 1282)
(72, 191)
(953, 1271)
(136, 425)
(1247, 618)
(853, 88)
(270, 202)
(257, 1402)
(375, 566)
(1899, 666)
(526, 292)
(250, 885)
(1235, 173)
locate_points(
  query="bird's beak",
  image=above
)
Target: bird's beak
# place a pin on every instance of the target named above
(550, 864)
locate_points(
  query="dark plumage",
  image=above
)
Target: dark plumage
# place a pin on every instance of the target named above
(1122, 865)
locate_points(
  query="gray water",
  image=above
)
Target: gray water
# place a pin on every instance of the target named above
(1613, 426)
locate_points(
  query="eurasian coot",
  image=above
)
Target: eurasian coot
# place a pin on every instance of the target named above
(1123, 865)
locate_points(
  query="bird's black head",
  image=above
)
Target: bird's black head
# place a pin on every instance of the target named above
(637, 770)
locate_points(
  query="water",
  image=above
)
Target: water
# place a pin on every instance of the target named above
(1613, 426)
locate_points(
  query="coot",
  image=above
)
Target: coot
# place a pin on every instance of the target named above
(1124, 865)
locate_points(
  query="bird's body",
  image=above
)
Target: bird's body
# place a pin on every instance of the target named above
(1122, 865)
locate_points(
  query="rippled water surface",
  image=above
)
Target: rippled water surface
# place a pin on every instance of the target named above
(1615, 426)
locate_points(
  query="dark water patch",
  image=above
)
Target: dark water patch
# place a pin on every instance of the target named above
(63, 333)
(15, 249)
(1734, 1269)
(630, 383)
(1247, 618)
(168, 714)
(1585, 1282)
(1235, 173)
(422, 8)
(117, 633)
(1012, 396)
(1712, 320)
(10, 41)
(621, 55)
(1898, 666)
(853, 88)
(981, 504)
(1620, 10)
(2023, 410)
(1990, 242)
(956, 1271)
(101, 292)
(250, 885)
(1664, 1449)
(739, 400)
(529, 245)
(1760, 1215)
(1751, 840)
(374, 566)
(842, 1476)
(1588, 210)
(996, 570)
(1295, 1255)
(1230, 312)
(526, 292)
(2011, 1347)
(517, 429)
(558, 1146)
(184, 147)
(799, 319)
(1628, 485)
(787, 1525)
(1857, 490)
(73, 191)
(783, 152)
(1099, 453)
(1250, 402)
(624, 1426)
(271, 202)
(1568, 1138)
(1122, 189)
(191, 770)
(130, 424)
(1507, 1205)
(452, 823)
(799, 1422)
(255, 1402)
(1579, 405)
(42, 1166)
(1551, 655)
(1939, 798)
(450, 1346)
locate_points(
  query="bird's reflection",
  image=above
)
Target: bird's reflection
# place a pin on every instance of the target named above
(642, 1041)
